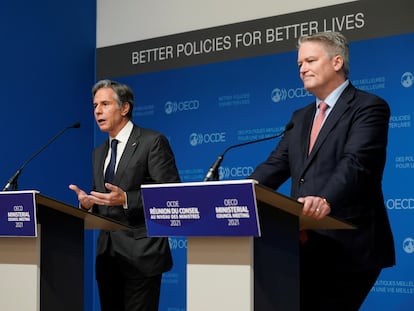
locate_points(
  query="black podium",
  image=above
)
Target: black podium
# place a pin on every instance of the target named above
(46, 272)
(229, 268)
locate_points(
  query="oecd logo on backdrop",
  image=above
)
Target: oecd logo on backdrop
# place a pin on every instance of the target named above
(226, 172)
(407, 79)
(400, 204)
(207, 138)
(278, 95)
(408, 245)
(171, 107)
(283, 94)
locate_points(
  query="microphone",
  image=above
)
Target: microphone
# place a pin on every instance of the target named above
(13, 180)
(213, 171)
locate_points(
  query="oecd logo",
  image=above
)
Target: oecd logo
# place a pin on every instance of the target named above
(171, 107)
(407, 79)
(400, 204)
(207, 138)
(279, 95)
(226, 172)
(408, 245)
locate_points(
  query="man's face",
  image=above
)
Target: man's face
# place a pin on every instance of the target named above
(318, 71)
(108, 115)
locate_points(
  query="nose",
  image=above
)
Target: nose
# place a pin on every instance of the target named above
(97, 109)
(303, 68)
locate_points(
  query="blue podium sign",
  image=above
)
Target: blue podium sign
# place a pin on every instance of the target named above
(218, 208)
(18, 214)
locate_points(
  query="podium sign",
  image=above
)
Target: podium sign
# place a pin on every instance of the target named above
(18, 214)
(219, 208)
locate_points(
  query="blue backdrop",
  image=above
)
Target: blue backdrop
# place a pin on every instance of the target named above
(204, 109)
(48, 62)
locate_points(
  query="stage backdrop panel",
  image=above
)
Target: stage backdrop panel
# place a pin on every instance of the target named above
(205, 108)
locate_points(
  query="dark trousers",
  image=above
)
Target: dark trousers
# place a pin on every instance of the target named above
(122, 288)
(325, 285)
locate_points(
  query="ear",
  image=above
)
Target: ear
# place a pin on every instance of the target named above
(125, 108)
(337, 62)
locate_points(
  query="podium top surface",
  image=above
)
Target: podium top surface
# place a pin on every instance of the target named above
(269, 197)
(91, 220)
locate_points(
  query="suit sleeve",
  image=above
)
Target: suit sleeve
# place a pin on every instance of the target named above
(161, 162)
(274, 171)
(160, 168)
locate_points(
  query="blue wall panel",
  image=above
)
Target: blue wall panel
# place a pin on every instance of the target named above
(48, 67)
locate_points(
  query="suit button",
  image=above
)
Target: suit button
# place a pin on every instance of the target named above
(301, 181)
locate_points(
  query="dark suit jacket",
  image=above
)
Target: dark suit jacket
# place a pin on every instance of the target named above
(345, 166)
(147, 158)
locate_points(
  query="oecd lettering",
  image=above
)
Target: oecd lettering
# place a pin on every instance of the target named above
(239, 171)
(214, 138)
(230, 202)
(298, 93)
(187, 105)
(400, 204)
(208, 138)
(173, 204)
(18, 208)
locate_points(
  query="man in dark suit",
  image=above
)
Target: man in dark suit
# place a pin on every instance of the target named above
(129, 265)
(340, 176)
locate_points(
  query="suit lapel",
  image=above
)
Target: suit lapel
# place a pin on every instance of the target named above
(307, 126)
(131, 146)
(342, 105)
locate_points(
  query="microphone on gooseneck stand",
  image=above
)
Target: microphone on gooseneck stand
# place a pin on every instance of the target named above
(212, 173)
(13, 180)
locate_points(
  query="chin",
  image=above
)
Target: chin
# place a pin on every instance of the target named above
(103, 128)
(307, 87)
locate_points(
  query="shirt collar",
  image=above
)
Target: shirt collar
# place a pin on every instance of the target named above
(332, 98)
(124, 134)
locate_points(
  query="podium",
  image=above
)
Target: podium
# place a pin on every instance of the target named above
(242, 242)
(44, 271)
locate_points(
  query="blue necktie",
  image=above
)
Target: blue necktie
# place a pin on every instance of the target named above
(110, 170)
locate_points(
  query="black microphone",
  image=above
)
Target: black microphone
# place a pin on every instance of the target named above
(213, 171)
(13, 180)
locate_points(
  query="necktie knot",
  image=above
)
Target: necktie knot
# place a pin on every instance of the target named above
(114, 144)
(323, 107)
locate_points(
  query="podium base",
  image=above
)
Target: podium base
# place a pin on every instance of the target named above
(220, 273)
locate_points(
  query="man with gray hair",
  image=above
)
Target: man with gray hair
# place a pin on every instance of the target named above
(335, 156)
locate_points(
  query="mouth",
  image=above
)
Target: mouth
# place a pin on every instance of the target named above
(307, 77)
(100, 121)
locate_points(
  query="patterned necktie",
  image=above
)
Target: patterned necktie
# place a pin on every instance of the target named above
(317, 124)
(110, 170)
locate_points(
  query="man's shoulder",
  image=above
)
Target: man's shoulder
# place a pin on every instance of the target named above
(144, 131)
